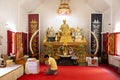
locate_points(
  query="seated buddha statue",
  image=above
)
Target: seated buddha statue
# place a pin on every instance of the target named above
(65, 33)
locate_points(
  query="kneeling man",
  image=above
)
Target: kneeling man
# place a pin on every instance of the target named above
(52, 65)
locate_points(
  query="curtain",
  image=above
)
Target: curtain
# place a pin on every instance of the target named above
(105, 42)
(14, 43)
(9, 42)
(117, 44)
(24, 42)
(104, 55)
(114, 44)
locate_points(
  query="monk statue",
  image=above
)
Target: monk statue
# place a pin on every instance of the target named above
(64, 25)
(65, 33)
(64, 29)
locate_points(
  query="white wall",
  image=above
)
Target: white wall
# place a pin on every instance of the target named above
(8, 13)
(22, 20)
(115, 14)
(107, 22)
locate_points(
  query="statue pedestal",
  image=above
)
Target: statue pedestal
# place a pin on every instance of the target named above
(66, 39)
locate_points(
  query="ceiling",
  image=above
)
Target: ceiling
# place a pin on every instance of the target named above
(31, 5)
(97, 5)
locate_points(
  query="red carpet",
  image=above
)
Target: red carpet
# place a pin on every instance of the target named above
(76, 73)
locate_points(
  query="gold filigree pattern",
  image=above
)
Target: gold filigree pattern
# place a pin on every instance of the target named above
(111, 44)
(33, 28)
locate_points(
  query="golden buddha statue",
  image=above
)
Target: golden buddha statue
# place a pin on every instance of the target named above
(65, 29)
(65, 33)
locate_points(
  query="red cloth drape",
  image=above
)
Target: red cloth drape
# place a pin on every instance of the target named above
(114, 44)
(24, 42)
(9, 42)
(15, 40)
(14, 43)
(105, 43)
(117, 44)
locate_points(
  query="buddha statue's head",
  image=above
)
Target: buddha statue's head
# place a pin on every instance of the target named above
(64, 21)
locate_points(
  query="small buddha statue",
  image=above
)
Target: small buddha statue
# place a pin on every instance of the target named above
(45, 38)
(78, 34)
(51, 34)
(84, 39)
(57, 37)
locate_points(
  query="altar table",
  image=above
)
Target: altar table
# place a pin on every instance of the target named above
(11, 72)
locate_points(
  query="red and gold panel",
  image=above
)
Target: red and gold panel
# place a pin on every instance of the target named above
(105, 42)
(18, 41)
(14, 43)
(117, 44)
(111, 44)
(24, 41)
(33, 25)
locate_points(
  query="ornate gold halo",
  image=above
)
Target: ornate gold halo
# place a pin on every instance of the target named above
(32, 39)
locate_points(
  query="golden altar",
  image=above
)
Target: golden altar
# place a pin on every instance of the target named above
(64, 40)
(79, 49)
